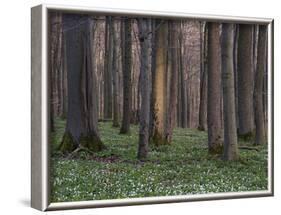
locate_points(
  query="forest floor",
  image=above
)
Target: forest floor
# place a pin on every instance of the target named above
(182, 168)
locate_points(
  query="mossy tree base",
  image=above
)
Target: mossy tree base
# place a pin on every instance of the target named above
(157, 139)
(248, 137)
(90, 141)
(216, 149)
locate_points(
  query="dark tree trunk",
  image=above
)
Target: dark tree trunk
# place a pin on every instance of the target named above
(214, 90)
(203, 79)
(230, 133)
(144, 87)
(127, 85)
(171, 113)
(245, 79)
(81, 125)
(258, 93)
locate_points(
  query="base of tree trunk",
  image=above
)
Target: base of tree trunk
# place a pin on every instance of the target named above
(89, 141)
(92, 142)
(67, 144)
(250, 136)
(115, 124)
(124, 131)
(157, 139)
(201, 128)
(217, 149)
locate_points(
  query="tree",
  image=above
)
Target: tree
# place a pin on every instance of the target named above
(203, 78)
(81, 123)
(245, 68)
(230, 133)
(158, 87)
(258, 93)
(108, 66)
(115, 80)
(144, 38)
(126, 67)
(171, 113)
(214, 89)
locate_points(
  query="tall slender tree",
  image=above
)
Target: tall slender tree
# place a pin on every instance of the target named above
(230, 133)
(126, 67)
(143, 25)
(214, 89)
(258, 93)
(245, 69)
(81, 123)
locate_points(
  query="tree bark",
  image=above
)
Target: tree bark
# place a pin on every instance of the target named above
(158, 88)
(258, 93)
(230, 133)
(81, 125)
(245, 79)
(214, 90)
(171, 114)
(127, 85)
(144, 87)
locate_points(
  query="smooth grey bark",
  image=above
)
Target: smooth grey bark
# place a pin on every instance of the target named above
(214, 90)
(145, 69)
(126, 67)
(203, 79)
(245, 69)
(115, 80)
(171, 113)
(258, 92)
(108, 66)
(81, 123)
(229, 118)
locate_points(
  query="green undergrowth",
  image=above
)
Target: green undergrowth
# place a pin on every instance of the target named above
(180, 168)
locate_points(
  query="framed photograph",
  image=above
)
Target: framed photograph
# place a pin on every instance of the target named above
(142, 107)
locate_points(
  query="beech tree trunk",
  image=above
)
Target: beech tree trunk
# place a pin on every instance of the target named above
(214, 90)
(144, 87)
(245, 80)
(258, 93)
(158, 89)
(229, 118)
(127, 85)
(115, 80)
(171, 113)
(81, 123)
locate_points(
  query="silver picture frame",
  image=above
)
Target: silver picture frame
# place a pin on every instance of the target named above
(40, 168)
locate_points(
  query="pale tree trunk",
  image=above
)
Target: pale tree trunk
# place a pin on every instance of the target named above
(127, 85)
(81, 123)
(230, 134)
(171, 114)
(245, 68)
(158, 89)
(214, 90)
(258, 93)
(115, 77)
(203, 79)
(108, 65)
(144, 87)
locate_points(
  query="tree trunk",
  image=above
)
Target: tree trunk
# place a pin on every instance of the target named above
(158, 89)
(203, 80)
(245, 80)
(258, 93)
(81, 125)
(171, 114)
(214, 90)
(230, 133)
(144, 88)
(108, 65)
(127, 85)
(115, 78)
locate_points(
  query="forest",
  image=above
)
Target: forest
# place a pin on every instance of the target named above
(143, 106)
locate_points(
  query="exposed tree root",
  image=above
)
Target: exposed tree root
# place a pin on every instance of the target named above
(248, 148)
